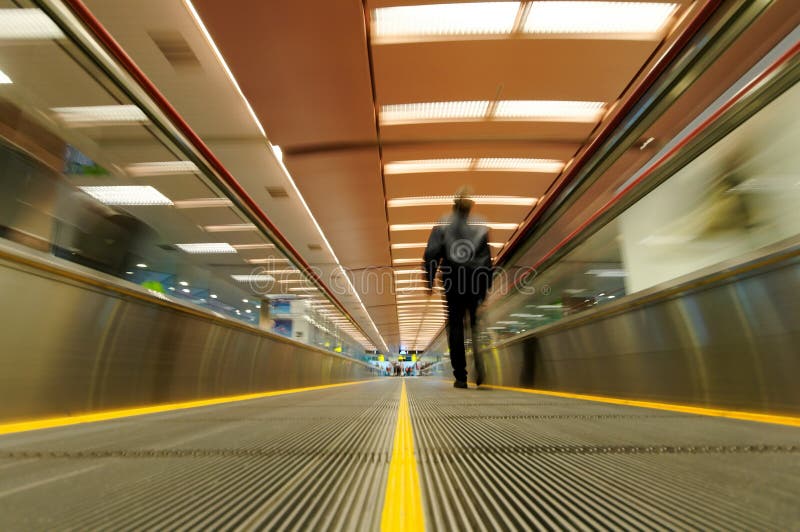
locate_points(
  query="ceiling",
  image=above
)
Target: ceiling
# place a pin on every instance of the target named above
(319, 75)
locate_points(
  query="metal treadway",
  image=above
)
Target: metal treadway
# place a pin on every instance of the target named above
(488, 460)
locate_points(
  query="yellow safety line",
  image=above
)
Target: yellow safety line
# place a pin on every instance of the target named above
(686, 409)
(402, 506)
(38, 424)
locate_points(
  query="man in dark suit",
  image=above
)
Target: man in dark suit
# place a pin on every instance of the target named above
(459, 246)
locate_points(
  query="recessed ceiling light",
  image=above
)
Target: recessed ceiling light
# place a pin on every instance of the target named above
(403, 23)
(163, 168)
(27, 24)
(183, 283)
(448, 200)
(508, 164)
(254, 246)
(268, 260)
(101, 115)
(428, 226)
(549, 111)
(202, 203)
(206, 248)
(4, 79)
(127, 195)
(598, 17)
(427, 165)
(186, 290)
(141, 265)
(213, 296)
(229, 228)
(256, 278)
(411, 113)
(129, 273)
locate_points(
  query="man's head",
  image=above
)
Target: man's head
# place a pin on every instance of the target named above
(462, 204)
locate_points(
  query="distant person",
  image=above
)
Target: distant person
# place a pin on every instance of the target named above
(459, 246)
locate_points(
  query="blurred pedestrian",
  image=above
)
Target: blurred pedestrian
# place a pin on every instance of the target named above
(459, 246)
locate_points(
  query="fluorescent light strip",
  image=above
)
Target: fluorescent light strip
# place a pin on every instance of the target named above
(410, 246)
(27, 24)
(448, 200)
(160, 168)
(127, 195)
(648, 18)
(229, 228)
(410, 113)
(408, 272)
(101, 115)
(427, 165)
(206, 248)
(505, 164)
(429, 226)
(509, 164)
(503, 110)
(254, 246)
(549, 111)
(406, 261)
(266, 261)
(253, 278)
(442, 20)
(202, 203)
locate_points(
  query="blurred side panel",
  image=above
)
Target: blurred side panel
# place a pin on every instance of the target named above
(74, 345)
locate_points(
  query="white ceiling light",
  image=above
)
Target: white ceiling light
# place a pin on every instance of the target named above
(101, 115)
(4, 79)
(413, 245)
(162, 168)
(448, 200)
(501, 164)
(410, 113)
(127, 195)
(549, 111)
(504, 110)
(598, 17)
(254, 246)
(206, 248)
(608, 272)
(409, 272)
(27, 24)
(268, 260)
(257, 278)
(229, 228)
(508, 164)
(202, 203)
(427, 165)
(428, 226)
(404, 23)
(406, 261)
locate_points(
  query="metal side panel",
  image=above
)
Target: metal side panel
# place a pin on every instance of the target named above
(316, 460)
(730, 344)
(498, 460)
(69, 347)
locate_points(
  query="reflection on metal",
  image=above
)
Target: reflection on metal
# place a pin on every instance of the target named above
(721, 342)
(109, 349)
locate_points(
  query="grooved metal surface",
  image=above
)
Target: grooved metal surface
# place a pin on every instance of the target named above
(315, 460)
(500, 460)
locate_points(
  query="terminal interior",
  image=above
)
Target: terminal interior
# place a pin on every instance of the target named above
(215, 313)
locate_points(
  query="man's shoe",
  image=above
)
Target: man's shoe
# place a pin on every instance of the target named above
(459, 384)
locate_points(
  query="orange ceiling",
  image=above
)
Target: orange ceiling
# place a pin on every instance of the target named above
(316, 84)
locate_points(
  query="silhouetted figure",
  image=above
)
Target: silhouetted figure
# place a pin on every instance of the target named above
(460, 248)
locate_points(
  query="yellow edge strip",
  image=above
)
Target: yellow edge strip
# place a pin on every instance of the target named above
(715, 412)
(402, 505)
(38, 424)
